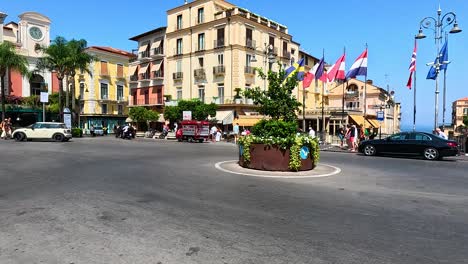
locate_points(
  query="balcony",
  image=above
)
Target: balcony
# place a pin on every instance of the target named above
(104, 98)
(157, 75)
(219, 70)
(249, 70)
(134, 79)
(229, 100)
(158, 52)
(145, 77)
(147, 102)
(351, 95)
(177, 75)
(250, 43)
(144, 56)
(199, 73)
(286, 54)
(178, 52)
(121, 99)
(218, 43)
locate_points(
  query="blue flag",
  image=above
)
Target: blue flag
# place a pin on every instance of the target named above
(296, 67)
(442, 60)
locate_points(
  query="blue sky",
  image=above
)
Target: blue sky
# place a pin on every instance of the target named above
(388, 27)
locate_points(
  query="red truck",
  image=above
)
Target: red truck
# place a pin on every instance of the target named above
(192, 130)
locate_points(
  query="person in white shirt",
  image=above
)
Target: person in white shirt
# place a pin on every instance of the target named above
(311, 132)
(441, 134)
(213, 132)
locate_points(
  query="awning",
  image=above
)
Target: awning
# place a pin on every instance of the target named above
(359, 120)
(132, 69)
(156, 44)
(156, 66)
(373, 122)
(224, 117)
(247, 121)
(143, 69)
(142, 48)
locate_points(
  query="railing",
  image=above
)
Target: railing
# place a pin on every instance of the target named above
(177, 75)
(133, 78)
(104, 97)
(144, 54)
(199, 73)
(147, 101)
(250, 43)
(220, 69)
(122, 98)
(229, 100)
(351, 95)
(157, 74)
(218, 43)
(158, 51)
(286, 54)
(249, 70)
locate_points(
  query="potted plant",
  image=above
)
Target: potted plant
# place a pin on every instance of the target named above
(215, 100)
(274, 143)
(238, 97)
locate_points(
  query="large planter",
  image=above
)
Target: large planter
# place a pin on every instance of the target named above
(271, 158)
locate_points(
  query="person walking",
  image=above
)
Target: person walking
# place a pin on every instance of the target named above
(311, 132)
(341, 136)
(441, 134)
(353, 138)
(219, 133)
(91, 130)
(348, 136)
(235, 130)
(213, 132)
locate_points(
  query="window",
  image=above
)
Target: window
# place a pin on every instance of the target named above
(82, 90)
(201, 41)
(179, 47)
(352, 105)
(220, 35)
(179, 93)
(221, 92)
(120, 95)
(465, 111)
(248, 37)
(421, 137)
(306, 60)
(120, 109)
(179, 22)
(81, 107)
(134, 97)
(285, 47)
(179, 66)
(146, 96)
(271, 41)
(201, 15)
(220, 59)
(201, 93)
(104, 109)
(120, 73)
(200, 62)
(104, 90)
(104, 70)
(248, 59)
(401, 136)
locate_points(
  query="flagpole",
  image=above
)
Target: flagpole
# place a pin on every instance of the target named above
(323, 110)
(343, 101)
(365, 94)
(414, 103)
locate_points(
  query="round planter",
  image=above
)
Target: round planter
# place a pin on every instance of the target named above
(272, 158)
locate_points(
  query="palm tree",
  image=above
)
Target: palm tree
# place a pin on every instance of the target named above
(56, 58)
(79, 60)
(9, 59)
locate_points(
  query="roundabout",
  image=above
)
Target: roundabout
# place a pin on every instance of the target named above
(321, 170)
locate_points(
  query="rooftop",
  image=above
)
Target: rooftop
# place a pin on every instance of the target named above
(112, 50)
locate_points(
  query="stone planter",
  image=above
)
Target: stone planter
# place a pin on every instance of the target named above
(271, 158)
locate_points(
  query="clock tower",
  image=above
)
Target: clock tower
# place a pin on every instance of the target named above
(34, 29)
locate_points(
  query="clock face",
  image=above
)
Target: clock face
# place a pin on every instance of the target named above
(35, 33)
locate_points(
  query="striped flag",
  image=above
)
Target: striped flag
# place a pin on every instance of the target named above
(412, 67)
(359, 67)
(337, 71)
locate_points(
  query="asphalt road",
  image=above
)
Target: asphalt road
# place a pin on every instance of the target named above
(105, 200)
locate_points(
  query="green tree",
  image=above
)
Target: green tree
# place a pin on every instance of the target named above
(278, 101)
(10, 60)
(172, 113)
(200, 110)
(465, 120)
(140, 114)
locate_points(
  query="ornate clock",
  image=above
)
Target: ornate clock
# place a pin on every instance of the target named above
(36, 33)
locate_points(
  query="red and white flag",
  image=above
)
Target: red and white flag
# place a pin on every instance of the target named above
(412, 67)
(337, 70)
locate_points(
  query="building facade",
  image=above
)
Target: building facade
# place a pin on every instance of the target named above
(147, 70)
(214, 49)
(459, 111)
(32, 31)
(104, 94)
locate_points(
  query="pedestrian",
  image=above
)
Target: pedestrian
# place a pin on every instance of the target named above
(341, 136)
(441, 134)
(348, 136)
(362, 133)
(219, 132)
(3, 127)
(235, 130)
(311, 132)
(353, 138)
(213, 132)
(91, 130)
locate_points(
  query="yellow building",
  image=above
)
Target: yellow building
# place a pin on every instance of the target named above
(104, 94)
(212, 50)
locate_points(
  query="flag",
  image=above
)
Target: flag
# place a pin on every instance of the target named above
(412, 67)
(359, 67)
(315, 72)
(337, 71)
(442, 61)
(296, 67)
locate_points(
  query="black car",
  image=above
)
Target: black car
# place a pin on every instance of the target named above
(429, 146)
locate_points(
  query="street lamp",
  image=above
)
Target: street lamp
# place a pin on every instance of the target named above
(438, 25)
(269, 57)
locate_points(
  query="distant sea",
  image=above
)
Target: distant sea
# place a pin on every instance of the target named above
(421, 128)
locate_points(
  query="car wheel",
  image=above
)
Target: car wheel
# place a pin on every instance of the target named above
(58, 137)
(20, 136)
(431, 154)
(369, 150)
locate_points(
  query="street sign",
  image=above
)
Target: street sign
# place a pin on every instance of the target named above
(44, 97)
(67, 117)
(380, 116)
(187, 115)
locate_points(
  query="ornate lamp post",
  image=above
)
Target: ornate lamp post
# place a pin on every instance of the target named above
(269, 57)
(438, 25)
